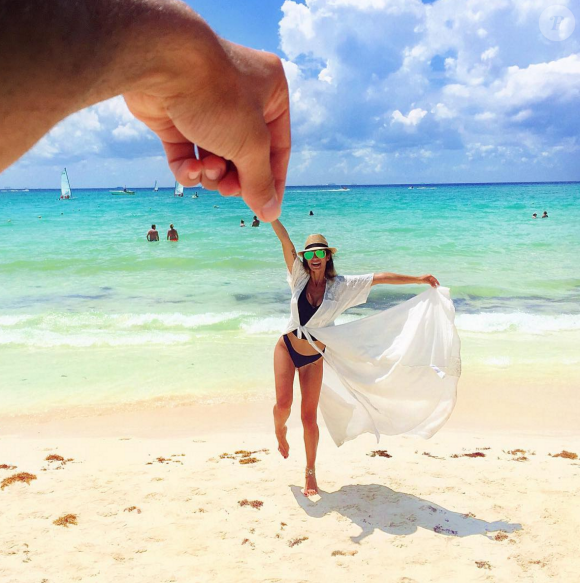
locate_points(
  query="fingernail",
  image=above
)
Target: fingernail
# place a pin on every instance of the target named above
(212, 173)
(194, 175)
(270, 208)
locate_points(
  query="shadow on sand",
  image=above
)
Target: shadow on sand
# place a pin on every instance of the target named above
(374, 507)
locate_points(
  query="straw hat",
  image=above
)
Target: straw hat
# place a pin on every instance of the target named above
(315, 242)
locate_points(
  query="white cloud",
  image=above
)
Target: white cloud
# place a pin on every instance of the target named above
(558, 79)
(125, 132)
(92, 132)
(367, 72)
(485, 116)
(522, 115)
(412, 119)
(325, 75)
(489, 54)
(372, 161)
(441, 111)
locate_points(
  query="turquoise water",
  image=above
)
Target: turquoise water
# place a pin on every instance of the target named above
(90, 312)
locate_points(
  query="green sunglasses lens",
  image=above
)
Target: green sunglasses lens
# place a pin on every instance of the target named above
(320, 253)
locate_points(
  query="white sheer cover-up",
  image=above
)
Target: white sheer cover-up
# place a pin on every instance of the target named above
(395, 372)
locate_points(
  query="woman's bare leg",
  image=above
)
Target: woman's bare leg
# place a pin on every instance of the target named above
(310, 384)
(284, 377)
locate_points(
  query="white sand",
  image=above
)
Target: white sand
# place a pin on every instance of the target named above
(402, 519)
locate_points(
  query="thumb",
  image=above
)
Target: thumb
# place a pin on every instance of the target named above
(255, 173)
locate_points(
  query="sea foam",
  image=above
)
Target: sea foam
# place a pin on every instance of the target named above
(517, 322)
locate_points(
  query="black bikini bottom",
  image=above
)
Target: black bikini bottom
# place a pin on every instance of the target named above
(298, 359)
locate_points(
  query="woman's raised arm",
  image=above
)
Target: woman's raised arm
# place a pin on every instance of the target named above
(287, 245)
(397, 279)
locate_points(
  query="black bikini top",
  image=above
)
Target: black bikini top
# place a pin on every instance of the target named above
(305, 309)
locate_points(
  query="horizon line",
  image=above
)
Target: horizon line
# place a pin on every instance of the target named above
(328, 184)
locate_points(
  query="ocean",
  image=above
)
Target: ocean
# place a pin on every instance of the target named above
(91, 314)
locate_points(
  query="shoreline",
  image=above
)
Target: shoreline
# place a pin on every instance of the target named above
(492, 403)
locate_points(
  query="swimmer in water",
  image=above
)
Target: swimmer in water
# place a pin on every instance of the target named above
(172, 234)
(153, 234)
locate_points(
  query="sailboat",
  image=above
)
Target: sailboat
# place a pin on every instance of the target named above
(123, 191)
(65, 191)
(155, 188)
(178, 189)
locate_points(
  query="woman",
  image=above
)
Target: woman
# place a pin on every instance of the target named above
(314, 281)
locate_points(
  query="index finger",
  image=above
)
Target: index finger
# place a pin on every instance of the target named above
(280, 145)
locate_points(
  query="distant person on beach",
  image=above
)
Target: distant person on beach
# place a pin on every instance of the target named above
(545, 215)
(179, 78)
(535, 216)
(364, 390)
(311, 214)
(242, 224)
(172, 234)
(153, 234)
(255, 222)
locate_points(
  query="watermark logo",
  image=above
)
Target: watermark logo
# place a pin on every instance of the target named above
(557, 22)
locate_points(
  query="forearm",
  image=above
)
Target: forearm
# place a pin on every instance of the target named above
(281, 232)
(394, 278)
(59, 56)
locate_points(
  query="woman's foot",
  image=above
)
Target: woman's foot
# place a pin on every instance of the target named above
(283, 446)
(311, 487)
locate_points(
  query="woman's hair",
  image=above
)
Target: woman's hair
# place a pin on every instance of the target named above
(329, 272)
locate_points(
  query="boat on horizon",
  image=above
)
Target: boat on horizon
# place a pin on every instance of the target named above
(65, 190)
(123, 191)
(155, 188)
(178, 191)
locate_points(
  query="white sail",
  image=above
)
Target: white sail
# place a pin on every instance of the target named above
(178, 189)
(155, 189)
(65, 191)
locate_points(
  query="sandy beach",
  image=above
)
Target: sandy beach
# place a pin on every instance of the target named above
(189, 493)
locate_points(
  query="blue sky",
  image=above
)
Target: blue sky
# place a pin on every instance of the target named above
(382, 91)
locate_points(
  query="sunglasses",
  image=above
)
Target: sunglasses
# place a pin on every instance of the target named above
(320, 253)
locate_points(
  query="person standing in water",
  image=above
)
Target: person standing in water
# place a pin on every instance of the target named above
(172, 234)
(153, 234)
(256, 222)
(545, 215)
(242, 224)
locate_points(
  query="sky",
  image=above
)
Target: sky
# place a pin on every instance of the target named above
(381, 92)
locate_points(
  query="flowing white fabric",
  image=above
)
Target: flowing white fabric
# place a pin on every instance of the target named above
(392, 373)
